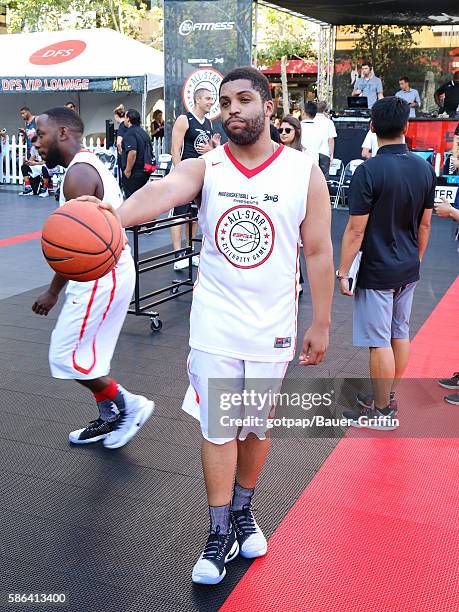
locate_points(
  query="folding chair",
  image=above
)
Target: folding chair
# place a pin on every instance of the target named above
(347, 178)
(335, 177)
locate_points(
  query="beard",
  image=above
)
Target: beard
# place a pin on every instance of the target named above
(53, 156)
(250, 134)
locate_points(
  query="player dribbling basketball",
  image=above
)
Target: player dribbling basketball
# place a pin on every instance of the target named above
(87, 330)
(256, 197)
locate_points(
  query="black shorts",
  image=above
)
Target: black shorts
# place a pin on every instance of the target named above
(185, 208)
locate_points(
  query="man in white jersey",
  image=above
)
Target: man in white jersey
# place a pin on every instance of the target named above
(256, 198)
(86, 332)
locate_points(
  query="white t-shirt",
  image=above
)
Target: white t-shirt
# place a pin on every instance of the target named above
(371, 142)
(314, 138)
(245, 296)
(35, 155)
(328, 127)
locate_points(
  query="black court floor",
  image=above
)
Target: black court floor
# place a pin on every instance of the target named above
(120, 531)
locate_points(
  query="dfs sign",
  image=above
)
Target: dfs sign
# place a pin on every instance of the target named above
(58, 53)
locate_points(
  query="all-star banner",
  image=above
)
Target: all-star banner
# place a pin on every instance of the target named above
(53, 84)
(203, 41)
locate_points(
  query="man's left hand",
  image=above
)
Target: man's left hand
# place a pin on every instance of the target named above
(344, 287)
(315, 344)
(127, 173)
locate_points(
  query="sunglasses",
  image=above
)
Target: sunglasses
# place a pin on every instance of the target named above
(286, 130)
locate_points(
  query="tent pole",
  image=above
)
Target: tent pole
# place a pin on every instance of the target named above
(144, 103)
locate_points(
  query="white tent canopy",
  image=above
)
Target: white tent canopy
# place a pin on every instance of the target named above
(96, 69)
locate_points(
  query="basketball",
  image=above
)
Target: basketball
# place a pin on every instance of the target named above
(82, 242)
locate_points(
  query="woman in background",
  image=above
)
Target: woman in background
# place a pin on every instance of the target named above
(157, 125)
(290, 136)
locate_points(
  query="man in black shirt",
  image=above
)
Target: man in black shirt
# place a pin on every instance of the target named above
(391, 198)
(450, 89)
(135, 153)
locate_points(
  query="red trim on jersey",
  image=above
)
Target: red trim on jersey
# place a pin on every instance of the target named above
(83, 326)
(250, 172)
(296, 296)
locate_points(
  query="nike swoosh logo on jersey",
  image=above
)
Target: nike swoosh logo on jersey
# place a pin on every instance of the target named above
(216, 163)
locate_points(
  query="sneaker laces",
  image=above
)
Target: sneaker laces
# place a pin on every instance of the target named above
(245, 519)
(95, 424)
(215, 544)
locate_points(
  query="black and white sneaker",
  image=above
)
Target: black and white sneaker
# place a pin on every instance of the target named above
(452, 399)
(371, 418)
(450, 383)
(219, 549)
(95, 431)
(367, 401)
(134, 411)
(252, 542)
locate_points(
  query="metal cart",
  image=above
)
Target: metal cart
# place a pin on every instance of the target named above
(141, 304)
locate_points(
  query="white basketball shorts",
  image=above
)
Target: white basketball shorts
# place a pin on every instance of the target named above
(231, 397)
(87, 330)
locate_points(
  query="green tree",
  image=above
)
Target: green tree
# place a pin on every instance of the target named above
(393, 52)
(282, 37)
(124, 16)
(281, 34)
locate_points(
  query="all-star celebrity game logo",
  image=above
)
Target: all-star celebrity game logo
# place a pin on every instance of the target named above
(245, 236)
(206, 78)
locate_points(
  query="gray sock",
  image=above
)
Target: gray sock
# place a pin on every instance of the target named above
(241, 497)
(220, 517)
(108, 411)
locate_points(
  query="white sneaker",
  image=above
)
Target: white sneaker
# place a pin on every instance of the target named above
(43, 193)
(252, 542)
(181, 264)
(134, 410)
(195, 261)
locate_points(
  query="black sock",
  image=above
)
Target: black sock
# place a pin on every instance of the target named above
(241, 497)
(220, 517)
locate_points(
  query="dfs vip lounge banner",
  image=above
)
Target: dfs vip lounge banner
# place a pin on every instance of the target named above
(203, 41)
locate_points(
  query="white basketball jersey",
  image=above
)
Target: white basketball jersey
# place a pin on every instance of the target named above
(245, 296)
(112, 192)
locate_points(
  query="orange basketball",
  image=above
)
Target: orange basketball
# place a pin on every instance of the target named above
(82, 242)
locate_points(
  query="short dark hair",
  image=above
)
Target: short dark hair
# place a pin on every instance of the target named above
(133, 116)
(25, 108)
(198, 93)
(369, 64)
(321, 106)
(310, 108)
(389, 116)
(70, 103)
(65, 117)
(404, 78)
(259, 82)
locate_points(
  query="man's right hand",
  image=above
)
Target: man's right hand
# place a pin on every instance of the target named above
(104, 206)
(44, 303)
(100, 204)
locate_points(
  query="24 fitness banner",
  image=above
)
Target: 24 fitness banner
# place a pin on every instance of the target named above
(203, 41)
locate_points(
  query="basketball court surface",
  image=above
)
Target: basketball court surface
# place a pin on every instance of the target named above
(355, 523)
